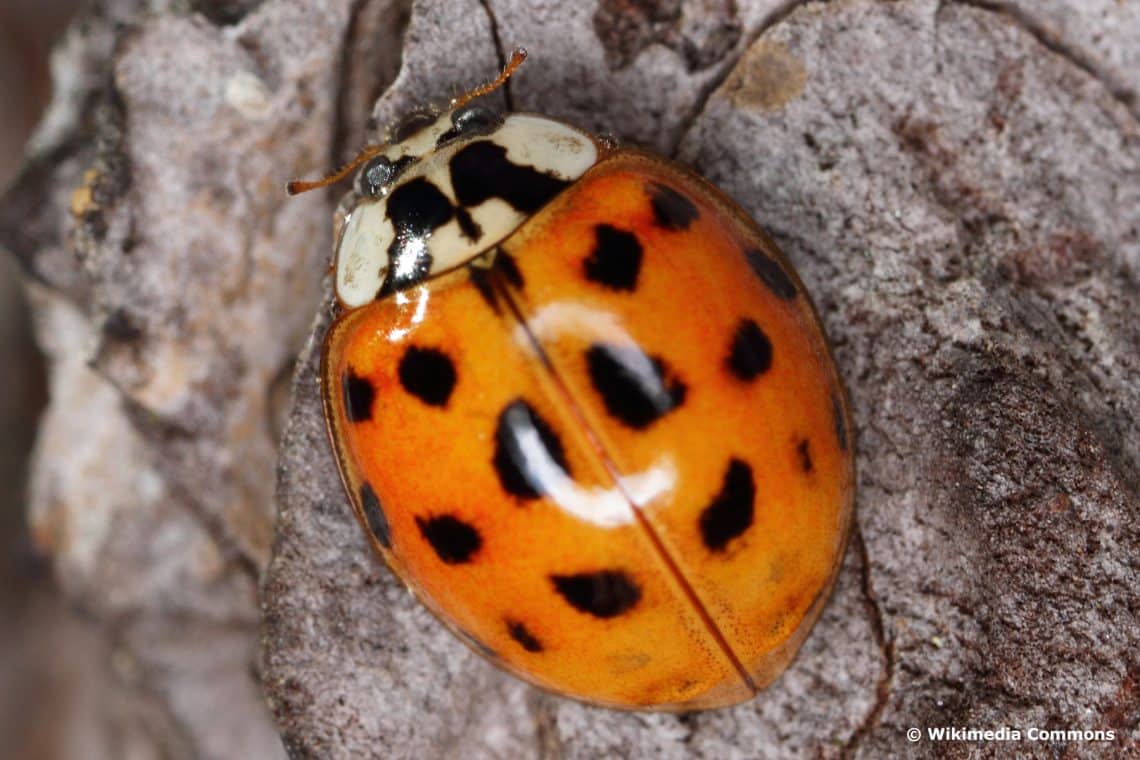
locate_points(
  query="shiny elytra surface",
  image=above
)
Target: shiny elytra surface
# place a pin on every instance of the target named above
(617, 461)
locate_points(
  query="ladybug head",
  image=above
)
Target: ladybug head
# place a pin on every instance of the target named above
(411, 125)
(446, 188)
(417, 136)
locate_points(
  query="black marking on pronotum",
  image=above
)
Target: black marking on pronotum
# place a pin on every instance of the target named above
(468, 226)
(751, 352)
(481, 170)
(428, 374)
(527, 451)
(803, 450)
(671, 210)
(522, 635)
(840, 421)
(453, 540)
(772, 274)
(416, 209)
(604, 594)
(730, 512)
(415, 271)
(634, 387)
(358, 396)
(615, 261)
(374, 516)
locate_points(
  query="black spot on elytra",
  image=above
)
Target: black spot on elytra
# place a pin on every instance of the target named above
(803, 450)
(453, 540)
(772, 274)
(525, 449)
(374, 516)
(523, 636)
(751, 352)
(416, 209)
(428, 374)
(633, 385)
(481, 279)
(840, 422)
(730, 513)
(604, 594)
(358, 396)
(671, 210)
(615, 261)
(506, 266)
(482, 170)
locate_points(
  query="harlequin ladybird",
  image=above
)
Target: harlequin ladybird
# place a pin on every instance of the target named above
(584, 409)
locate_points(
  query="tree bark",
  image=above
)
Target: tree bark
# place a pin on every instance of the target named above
(957, 183)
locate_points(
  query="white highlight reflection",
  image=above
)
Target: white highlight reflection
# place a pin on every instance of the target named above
(565, 317)
(397, 334)
(606, 507)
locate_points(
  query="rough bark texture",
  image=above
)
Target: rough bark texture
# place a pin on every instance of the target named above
(958, 184)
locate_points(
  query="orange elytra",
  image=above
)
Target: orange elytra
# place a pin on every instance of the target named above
(584, 409)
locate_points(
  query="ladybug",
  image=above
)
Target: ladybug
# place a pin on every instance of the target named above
(584, 409)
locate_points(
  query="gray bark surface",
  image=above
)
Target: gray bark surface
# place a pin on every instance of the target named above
(957, 183)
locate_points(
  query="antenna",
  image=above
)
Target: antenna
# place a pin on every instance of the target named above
(518, 55)
(296, 187)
